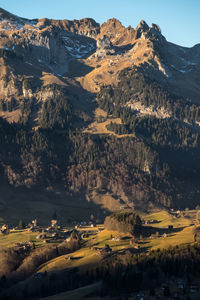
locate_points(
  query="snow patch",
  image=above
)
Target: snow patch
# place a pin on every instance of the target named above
(16, 24)
(28, 63)
(75, 48)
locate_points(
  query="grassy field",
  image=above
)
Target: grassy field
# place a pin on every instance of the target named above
(184, 236)
(18, 236)
(165, 219)
(99, 127)
(88, 256)
(85, 257)
(182, 232)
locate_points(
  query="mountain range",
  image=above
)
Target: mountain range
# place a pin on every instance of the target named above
(95, 118)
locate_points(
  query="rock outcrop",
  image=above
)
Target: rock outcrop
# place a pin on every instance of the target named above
(117, 33)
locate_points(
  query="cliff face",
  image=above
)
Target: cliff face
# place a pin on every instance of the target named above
(102, 111)
(117, 33)
(62, 47)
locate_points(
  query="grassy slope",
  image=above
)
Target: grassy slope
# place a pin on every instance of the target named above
(99, 127)
(87, 256)
(18, 236)
(176, 238)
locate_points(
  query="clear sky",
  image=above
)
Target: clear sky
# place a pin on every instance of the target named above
(179, 19)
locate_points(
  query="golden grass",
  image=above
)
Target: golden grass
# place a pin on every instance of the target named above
(19, 236)
(100, 112)
(49, 78)
(83, 258)
(165, 219)
(87, 256)
(106, 201)
(97, 127)
(184, 236)
(105, 238)
(100, 128)
(106, 73)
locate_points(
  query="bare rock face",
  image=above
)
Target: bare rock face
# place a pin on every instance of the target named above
(104, 47)
(44, 59)
(117, 33)
(141, 28)
(29, 48)
(104, 43)
(86, 26)
(152, 33)
(155, 28)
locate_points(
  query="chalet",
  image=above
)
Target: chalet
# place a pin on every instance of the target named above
(105, 250)
(22, 247)
(68, 257)
(134, 244)
(116, 239)
(54, 223)
(4, 229)
(34, 222)
(54, 235)
(50, 229)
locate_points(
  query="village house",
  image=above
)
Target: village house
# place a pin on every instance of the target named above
(54, 223)
(4, 229)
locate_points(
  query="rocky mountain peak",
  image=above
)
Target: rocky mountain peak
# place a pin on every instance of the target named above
(4, 14)
(145, 32)
(117, 33)
(142, 25)
(104, 42)
(85, 26)
(113, 23)
(155, 27)
(141, 28)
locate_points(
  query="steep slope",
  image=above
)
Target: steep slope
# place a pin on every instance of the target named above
(104, 116)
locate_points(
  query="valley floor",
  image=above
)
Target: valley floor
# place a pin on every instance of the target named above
(97, 244)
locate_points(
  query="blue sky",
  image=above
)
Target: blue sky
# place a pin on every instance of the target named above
(178, 19)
